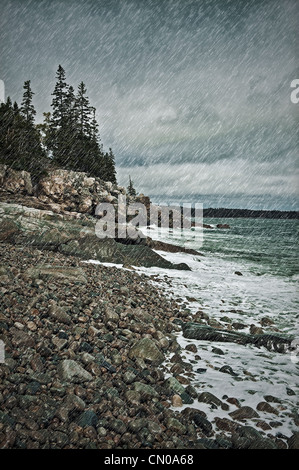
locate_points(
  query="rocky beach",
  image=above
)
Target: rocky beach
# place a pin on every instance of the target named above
(100, 355)
(93, 361)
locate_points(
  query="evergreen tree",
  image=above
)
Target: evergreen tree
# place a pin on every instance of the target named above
(59, 98)
(83, 111)
(16, 108)
(20, 145)
(27, 108)
(94, 127)
(111, 173)
(72, 133)
(131, 190)
(71, 110)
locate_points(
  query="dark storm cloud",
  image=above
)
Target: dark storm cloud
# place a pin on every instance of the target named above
(193, 92)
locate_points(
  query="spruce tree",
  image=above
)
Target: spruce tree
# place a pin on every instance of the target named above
(72, 135)
(111, 167)
(131, 190)
(20, 144)
(59, 98)
(94, 127)
(27, 108)
(83, 111)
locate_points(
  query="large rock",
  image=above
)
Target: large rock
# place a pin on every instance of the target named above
(14, 181)
(207, 397)
(47, 230)
(201, 332)
(61, 272)
(91, 247)
(147, 350)
(174, 385)
(76, 191)
(145, 391)
(72, 371)
(245, 412)
(8, 228)
(293, 441)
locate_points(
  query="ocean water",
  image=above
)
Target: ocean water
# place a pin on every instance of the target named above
(265, 252)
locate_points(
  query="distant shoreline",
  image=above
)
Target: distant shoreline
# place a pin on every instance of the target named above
(248, 213)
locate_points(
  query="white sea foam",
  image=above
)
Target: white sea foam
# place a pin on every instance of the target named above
(220, 292)
(216, 290)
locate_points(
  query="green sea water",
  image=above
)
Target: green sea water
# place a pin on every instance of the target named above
(265, 245)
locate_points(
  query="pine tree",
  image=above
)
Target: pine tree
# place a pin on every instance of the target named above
(83, 111)
(131, 190)
(73, 136)
(71, 110)
(20, 144)
(94, 127)
(111, 166)
(59, 98)
(27, 108)
(16, 108)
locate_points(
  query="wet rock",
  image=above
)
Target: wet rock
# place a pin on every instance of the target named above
(207, 397)
(58, 313)
(293, 441)
(176, 401)
(21, 338)
(239, 326)
(233, 401)
(263, 443)
(111, 315)
(175, 425)
(174, 385)
(187, 400)
(147, 350)
(191, 391)
(266, 321)
(228, 370)
(153, 427)
(129, 376)
(256, 330)
(14, 181)
(42, 378)
(59, 343)
(133, 397)
(118, 426)
(72, 371)
(136, 425)
(203, 424)
(218, 351)
(191, 347)
(256, 337)
(59, 272)
(225, 424)
(266, 407)
(87, 418)
(245, 412)
(271, 398)
(145, 391)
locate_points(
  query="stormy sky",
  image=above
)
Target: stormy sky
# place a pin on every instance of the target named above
(192, 95)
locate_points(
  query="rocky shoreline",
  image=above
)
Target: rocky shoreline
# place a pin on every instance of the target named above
(92, 361)
(92, 357)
